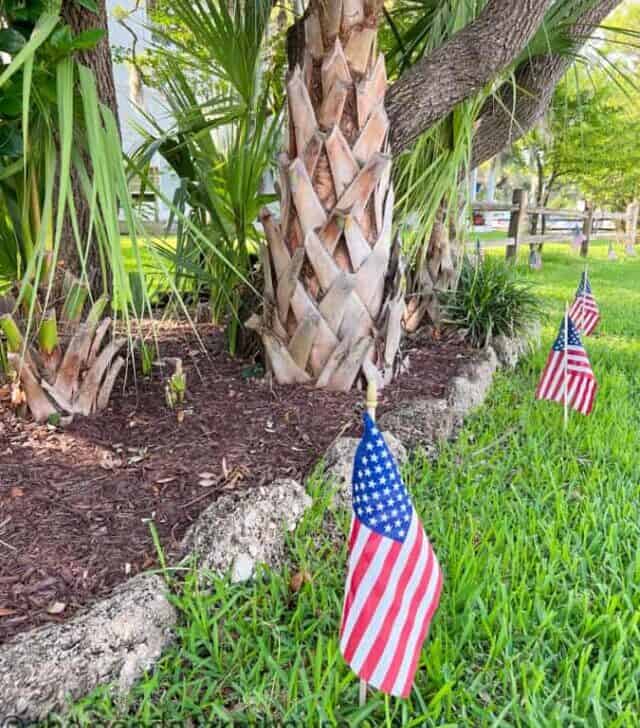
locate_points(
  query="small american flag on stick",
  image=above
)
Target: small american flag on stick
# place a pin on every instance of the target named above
(394, 579)
(567, 376)
(584, 310)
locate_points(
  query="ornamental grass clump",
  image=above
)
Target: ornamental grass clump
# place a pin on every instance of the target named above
(490, 300)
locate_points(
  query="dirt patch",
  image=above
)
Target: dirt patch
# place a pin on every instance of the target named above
(76, 503)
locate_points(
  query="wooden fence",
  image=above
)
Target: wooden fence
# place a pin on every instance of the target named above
(590, 222)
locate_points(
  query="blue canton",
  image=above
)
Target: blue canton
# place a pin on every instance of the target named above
(574, 337)
(380, 499)
(584, 289)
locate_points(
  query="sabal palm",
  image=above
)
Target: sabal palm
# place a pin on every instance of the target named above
(221, 143)
(333, 284)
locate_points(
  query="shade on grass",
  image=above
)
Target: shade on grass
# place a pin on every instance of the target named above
(537, 532)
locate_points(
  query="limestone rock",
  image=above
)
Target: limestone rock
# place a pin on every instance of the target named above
(421, 422)
(243, 568)
(510, 350)
(243, 529)
(339, 464)
(428, 421)
(113, 641)
(469, 390)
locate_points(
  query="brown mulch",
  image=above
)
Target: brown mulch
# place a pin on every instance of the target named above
(75, 503)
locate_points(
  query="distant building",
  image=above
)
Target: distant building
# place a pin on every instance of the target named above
(133, 96)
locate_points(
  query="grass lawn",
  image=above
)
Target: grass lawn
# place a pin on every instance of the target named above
(488, 235)
(537, 532)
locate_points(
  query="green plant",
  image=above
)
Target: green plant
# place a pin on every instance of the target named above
(147, 351)
(490, 300)
(52, 124)
(536, 530)
(176, 387)
(53, 128)
(222, 145)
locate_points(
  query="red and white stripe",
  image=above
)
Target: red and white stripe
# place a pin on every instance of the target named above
(392, 591)
(580, 380)
(585, 313)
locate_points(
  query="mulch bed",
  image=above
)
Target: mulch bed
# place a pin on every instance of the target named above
(75, 503)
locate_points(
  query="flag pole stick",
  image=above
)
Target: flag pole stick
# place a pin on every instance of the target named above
(586, 281)
(566, 366)
(372, 399)
(372, 403)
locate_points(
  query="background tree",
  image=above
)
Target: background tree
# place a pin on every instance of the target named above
(586, 142)
(596, 146)
(542, 152)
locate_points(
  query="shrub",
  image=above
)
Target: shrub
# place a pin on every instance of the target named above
(490, 300)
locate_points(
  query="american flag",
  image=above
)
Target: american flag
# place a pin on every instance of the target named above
(394, 579)
(585, 310)
(579, 379)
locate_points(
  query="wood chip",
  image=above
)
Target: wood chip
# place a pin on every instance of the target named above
(57, 608)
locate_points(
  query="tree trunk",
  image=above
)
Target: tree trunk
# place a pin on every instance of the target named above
(333, 278)
(533, 228)
(436, 273)
(478, 53)
(545, 200)
(521, 102)
(98, 59)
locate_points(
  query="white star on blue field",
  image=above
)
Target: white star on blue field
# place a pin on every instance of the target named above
(380, 500)
(574, 337)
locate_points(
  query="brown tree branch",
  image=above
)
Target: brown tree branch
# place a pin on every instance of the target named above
(461, 67)
(475, 55)
(520, 107)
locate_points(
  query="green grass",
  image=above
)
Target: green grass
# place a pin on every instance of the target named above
(155, 276)
(537, 531)
(488, 235)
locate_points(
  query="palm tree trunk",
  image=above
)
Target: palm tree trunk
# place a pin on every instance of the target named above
(333, 277)
(98, 59)
(435, 273)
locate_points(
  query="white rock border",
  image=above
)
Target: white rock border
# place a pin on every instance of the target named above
(427, 422)
(114, 641)
(241, 530)
(117, 639)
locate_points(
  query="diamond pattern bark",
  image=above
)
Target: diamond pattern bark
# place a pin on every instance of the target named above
(334, 279)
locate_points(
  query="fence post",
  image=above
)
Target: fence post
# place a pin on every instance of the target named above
(517, 222)
(587, 229)
(632, 227)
